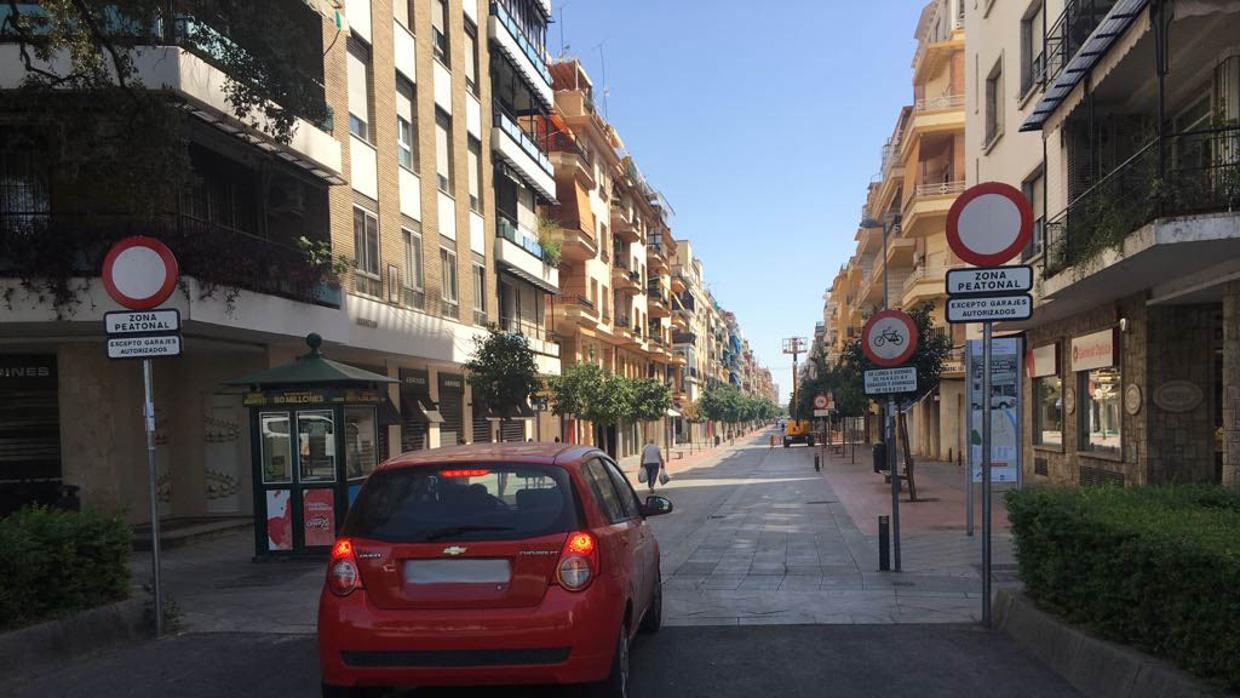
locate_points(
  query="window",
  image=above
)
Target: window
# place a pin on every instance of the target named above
(366, 252)
(1099, 408)
(1048, 411)
(628, 498)
(400, 11)
(23, 186)
(277, 454)
(406, 124)
(361, 442)
(474, 163)
(447, 269)
(359, 90)
(1033, 189)
(471, 57)
(316, 439)
(994, 103)
(605, 492)
(439, 31)
(1032, 59)
(443, 150)
(480, 294)
(413, 294)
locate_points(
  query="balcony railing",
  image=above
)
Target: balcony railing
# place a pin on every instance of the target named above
(64, 246)
(939, 103)
(523, 326)
(537, 54)
(922, 273)
(939, 188)
(510, 126)
(1202, 175)
(515, 234)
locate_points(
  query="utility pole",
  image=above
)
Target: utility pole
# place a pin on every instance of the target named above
(794, 346)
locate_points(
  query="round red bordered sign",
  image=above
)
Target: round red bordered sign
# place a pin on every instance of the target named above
(989, 224)
(140, 272)
(889, 338)
(820, 402)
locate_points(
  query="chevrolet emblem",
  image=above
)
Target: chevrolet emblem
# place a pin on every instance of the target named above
(454, 550)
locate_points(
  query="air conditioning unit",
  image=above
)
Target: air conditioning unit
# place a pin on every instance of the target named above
(286, 196)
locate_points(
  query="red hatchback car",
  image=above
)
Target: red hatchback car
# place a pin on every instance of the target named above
(497, 564)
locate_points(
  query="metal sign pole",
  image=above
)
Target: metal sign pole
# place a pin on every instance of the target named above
(968, 429)
(986, 455)
(893, 468)
(148, 414)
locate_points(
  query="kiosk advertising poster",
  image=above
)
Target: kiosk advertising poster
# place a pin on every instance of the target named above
(1005, 404)
(279, 520)
(319, 516)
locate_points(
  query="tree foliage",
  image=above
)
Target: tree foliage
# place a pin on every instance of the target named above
(650, 399)
(502, 371)
(726, 403)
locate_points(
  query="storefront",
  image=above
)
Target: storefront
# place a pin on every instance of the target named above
(30, 468)
(316, 430)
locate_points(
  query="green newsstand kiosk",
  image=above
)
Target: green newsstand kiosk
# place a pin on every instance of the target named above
(317, 429)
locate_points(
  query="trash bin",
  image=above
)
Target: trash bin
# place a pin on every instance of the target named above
(880, 457)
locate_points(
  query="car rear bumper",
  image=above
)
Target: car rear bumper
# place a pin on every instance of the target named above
(568, 638)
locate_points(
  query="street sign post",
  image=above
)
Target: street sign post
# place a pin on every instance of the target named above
(966, 309)
(988, 225)
(889, 339)
(140, 273)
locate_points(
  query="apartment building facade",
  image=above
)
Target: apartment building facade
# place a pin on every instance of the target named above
(419, 181)
(1127, 149)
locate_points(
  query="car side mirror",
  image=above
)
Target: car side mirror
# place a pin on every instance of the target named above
(656, 506)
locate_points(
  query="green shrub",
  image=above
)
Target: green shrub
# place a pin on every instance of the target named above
(1157, 568)
(57, 562)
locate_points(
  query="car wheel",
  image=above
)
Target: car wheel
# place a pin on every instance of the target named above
(330, 691)
(616, 685)
(653, 620)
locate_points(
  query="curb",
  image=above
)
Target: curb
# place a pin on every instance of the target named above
(53, 642)
(1094, 667)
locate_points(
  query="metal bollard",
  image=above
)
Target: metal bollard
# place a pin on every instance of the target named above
(817, 463)
(884, 542)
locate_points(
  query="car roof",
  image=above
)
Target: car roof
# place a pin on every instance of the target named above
(515, 452)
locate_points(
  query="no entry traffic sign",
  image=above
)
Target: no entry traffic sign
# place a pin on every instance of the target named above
(989, 224)
(889, 338)
(140, 272)
(820, 401)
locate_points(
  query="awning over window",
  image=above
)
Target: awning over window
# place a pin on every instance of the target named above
(1113, 26)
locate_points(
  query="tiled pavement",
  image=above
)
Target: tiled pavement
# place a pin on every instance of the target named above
(781, 548)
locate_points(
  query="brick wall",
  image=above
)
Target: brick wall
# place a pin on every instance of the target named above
(1181, 346)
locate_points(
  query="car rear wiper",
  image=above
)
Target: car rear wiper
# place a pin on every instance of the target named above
(442, 533)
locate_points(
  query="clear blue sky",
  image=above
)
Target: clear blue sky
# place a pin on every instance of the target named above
(762, 124)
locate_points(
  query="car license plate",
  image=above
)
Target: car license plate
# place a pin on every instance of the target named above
(457, 571)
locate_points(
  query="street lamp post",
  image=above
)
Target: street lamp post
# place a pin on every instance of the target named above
(888, 224)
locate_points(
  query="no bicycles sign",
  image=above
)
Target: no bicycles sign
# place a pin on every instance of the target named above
(889, 338)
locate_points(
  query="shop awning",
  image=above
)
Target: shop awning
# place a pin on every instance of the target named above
(419, 411)
(673, 412)
(312, 369)
(522, 411)
(529, 278)
(388, 414)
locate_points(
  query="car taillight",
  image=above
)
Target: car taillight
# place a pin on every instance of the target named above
(342, 573)
(578, 564)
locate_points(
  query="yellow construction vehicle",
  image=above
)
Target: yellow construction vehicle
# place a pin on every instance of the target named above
(798, 431)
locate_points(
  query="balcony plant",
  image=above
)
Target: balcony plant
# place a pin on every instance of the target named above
(551, 239)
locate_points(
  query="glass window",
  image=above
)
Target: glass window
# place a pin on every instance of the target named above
(359, 89)
(316, 446)
(413, 258)
(1099, 407)
(1032, 188)
(628, 498)
(480, 289)
(361, 433)
(447, 267)
(1031, 56)
(475, 175)
(471, 57)
(439, 31)
(463, 503)
(277, 453)
(443, 150)
(1048, 411)
(994, 103)
(366, 252)
(604, 491)
(406, 125)
(400, 11)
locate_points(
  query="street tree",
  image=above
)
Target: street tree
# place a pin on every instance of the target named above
(651, 399)
(502, 371)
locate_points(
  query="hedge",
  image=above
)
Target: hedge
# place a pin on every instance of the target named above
(57, 562)
(1157, 568)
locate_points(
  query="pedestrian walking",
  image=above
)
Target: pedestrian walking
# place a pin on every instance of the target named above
(652, 463)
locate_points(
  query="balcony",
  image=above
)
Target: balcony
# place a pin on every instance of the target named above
(925, 209)
(534, 332)
(518, 251)
(214, 255)
(529, 58)
(567, 155)
(678, 283)
(626, 281)
(656, 255)
(656, 302)
(925, 282)
(578, 310)
(953, 364)
(578, 245)
(519, 150)
(684, 339)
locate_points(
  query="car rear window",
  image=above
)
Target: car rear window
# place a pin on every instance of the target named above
(463, 503)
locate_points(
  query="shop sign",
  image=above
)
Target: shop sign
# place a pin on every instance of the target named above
(1095, 350)
(309, 397)
(1178, 396)
(1044, 361)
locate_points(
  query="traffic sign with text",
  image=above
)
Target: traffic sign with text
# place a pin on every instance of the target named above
(886, 381)
(147, 347)
(989, 280)
(965, 309)
(130, 322)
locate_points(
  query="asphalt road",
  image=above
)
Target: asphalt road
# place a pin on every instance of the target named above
(689, 662)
